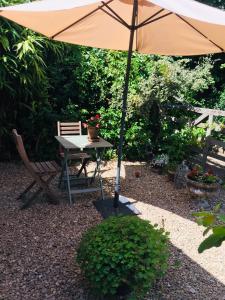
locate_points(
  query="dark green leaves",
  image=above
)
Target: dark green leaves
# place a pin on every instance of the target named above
(214, 240)
(123, 253)
(214, 222)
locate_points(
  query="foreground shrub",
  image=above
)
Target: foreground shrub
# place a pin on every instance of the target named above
(123, 254)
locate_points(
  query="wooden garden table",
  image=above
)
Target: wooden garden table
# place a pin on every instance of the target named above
(80, 142)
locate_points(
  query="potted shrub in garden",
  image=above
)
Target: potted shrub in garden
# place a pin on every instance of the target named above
(92, 126)
(171, 170)
(202, 184)
(123, 256)
(160, 162)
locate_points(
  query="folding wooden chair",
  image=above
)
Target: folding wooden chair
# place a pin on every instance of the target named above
(73, 128)
(41, 172)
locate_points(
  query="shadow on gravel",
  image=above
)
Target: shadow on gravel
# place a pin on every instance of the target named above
(158, 190)
(38, 245)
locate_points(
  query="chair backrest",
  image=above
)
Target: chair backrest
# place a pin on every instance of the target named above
(69, 128)
(20, 147)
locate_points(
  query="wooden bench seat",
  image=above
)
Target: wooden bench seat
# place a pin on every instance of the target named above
(47, 167)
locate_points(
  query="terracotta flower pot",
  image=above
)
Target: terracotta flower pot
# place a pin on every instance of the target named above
(92, 134)
(201, 190)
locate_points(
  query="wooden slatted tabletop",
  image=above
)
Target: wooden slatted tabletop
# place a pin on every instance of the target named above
(81, 142)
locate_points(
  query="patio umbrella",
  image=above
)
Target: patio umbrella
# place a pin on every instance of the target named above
(166, 27)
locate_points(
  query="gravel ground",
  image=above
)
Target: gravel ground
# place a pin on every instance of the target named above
(38, 244)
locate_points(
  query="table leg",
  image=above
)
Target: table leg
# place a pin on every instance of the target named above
(98, 170)
(61, 177)
(67, 174)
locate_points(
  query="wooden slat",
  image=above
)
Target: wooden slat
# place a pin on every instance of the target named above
(199, 119)
(209, 128)
(70, 128)
(58, 127)
(39, 167)
(212, 112)
(33, 165)
(216, 156)
(50, 166)
(45, 167)
(78, 155)
(73, 130)
(57, 167)
(89, 190)
(69, 123)
(208, 111)
(65, 132)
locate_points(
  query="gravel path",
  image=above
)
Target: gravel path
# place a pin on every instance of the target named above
(38, 244)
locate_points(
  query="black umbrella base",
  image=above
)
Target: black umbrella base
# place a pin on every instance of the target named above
(106, 209)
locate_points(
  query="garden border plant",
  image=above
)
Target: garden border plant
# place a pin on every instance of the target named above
(123, 255)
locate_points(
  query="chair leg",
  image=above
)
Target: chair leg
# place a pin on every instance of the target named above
(61, 176)
(26, 190)
(85, 171)
(83, 167)
(52, 198)
(31, 199)
(44, 187)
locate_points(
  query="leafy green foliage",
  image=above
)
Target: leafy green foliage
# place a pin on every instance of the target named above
(42, 81)
(216, 3)
(214, 221)
(178, 143)
(123, 253)
(137, 138)
(24, 83)
(174, 80)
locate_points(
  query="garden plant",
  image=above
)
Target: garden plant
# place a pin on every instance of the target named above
(91, 80)
(41, 82)
(214, 221)
(127, 256)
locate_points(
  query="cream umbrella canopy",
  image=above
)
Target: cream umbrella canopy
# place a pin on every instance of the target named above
(166, 27)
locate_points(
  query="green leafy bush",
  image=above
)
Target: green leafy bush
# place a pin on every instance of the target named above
(123, 253)
(178, 144)
(137, 138)
(214, 221)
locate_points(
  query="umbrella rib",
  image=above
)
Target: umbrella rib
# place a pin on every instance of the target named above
(121, 21)
(149, 18)
(151, 21)
(193, 27)
(79, 20)
(116, 16)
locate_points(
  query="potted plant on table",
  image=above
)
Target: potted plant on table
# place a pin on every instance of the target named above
(92, 125)
(202, 184)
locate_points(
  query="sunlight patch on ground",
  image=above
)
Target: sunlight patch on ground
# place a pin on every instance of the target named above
(186, 235)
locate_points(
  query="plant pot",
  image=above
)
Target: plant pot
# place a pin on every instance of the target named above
(92, 134)
(158, 169)
(171, 175)
(200, 190)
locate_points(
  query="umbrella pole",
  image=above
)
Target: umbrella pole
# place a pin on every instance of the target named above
(124, 106)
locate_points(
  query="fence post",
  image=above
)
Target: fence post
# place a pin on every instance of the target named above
(210, 122)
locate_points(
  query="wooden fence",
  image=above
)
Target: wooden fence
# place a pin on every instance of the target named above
(213, 152)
